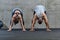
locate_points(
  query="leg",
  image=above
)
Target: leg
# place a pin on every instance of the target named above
(46, 21)
(33, 22)
(11, 24)
(22, 22)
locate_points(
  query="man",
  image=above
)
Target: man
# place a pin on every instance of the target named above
(40, 15)
(17, 17)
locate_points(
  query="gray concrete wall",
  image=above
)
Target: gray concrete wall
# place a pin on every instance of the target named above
(52, 6)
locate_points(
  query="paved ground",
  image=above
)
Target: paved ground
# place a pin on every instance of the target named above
(41, 34)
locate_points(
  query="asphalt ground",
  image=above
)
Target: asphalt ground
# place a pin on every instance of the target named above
(38, 34)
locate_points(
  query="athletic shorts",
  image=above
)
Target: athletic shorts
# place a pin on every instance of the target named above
(13, 12)
(39, 9)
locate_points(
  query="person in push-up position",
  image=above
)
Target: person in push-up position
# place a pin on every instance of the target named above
(39, 15)
(17, 17)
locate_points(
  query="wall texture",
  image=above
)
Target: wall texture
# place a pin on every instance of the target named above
(52, 7)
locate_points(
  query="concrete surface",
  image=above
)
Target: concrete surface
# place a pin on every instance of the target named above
(41, 34)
